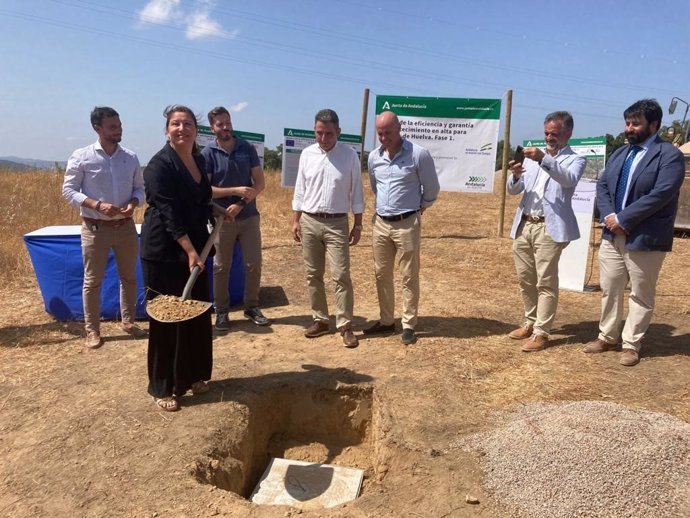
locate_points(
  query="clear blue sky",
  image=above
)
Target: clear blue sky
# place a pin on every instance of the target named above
(277, 62)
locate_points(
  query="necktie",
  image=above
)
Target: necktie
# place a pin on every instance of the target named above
(623, 178)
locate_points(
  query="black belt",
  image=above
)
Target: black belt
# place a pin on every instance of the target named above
(107, 222)
(327, 215)
(533, 219)
(398, 217)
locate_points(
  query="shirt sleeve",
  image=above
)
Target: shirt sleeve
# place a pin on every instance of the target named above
(253, 157)
(357, 193)
(299, 184)
(74, 176)
(566, 175)
(138, 191)
(370, 169)
(428, 178)
(210, 164)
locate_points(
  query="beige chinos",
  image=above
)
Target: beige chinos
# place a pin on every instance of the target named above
(96, 242)
(321, 238)
(401, 239)
(617, 265)
(536, 258)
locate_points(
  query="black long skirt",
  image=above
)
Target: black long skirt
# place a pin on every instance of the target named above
(179, 354)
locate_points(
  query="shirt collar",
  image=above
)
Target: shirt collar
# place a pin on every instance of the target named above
(406, 146)
(324, 152)
(565, 150)
(214, 144)
(645, 145)
(97, 146)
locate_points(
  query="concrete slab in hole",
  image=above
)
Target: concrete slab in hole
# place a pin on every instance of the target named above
(306, 485)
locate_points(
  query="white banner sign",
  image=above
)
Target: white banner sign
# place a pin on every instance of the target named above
(460, 134)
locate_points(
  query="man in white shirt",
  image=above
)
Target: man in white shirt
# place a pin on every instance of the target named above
(544, 224)
(105, 183)
(328, 187)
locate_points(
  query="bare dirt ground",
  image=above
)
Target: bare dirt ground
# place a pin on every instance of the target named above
(79, 436)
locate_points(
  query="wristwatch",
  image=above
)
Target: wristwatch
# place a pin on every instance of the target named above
(357, 227)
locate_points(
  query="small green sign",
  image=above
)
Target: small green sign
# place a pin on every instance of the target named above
(248, 135)
(573, 142)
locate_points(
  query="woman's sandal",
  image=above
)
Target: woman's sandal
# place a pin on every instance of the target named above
(169, 404)
(200, 387)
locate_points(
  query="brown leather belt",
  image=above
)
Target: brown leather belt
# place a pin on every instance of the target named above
(398, 217)
(327, 215)
(107, 222)
(533, 219)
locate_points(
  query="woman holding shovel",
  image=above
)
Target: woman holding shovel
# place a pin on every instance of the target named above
(173, 234)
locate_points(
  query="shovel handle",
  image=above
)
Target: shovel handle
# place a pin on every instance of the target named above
(194, 275)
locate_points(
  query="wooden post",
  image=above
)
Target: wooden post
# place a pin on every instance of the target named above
(363, 127)
(504, 168)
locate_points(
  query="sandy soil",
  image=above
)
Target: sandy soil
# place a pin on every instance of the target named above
(79, 436)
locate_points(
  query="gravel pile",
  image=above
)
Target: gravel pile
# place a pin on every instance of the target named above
(586, 459)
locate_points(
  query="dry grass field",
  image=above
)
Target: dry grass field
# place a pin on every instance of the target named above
(79, 436)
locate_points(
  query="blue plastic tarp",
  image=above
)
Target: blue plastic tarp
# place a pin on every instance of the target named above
(56, 257)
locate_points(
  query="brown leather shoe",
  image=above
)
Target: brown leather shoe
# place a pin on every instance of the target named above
(536, 343)
(93, 340)
(349, 338)
(521, 332)
(317, 328)
(599, 346)
(134, 330)
(629, 357)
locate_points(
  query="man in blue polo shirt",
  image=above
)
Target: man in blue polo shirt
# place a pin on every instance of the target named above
(237, 179)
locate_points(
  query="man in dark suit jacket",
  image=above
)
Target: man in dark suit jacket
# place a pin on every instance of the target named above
(637, 196)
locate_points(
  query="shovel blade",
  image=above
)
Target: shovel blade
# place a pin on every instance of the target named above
(170, 309)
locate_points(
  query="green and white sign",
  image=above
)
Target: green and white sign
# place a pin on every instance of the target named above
(205, 136)
(460, 134)
(295, 140)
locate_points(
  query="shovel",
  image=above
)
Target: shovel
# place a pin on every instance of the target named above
(172, 309)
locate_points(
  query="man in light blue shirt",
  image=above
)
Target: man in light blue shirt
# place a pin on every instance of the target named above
(105, 183)
(404, 180)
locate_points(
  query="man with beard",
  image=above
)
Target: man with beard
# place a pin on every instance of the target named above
(544, 224)
(637, 196)
(105, 183)
(236, 179)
